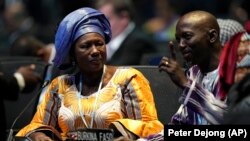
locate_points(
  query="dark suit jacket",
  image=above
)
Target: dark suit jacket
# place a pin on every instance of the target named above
(239, 103)
(135, 45)
(9, 90)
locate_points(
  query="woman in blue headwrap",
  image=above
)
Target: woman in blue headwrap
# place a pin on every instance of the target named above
(97, 96)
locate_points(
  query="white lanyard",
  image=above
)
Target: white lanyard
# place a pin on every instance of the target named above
(94, 109)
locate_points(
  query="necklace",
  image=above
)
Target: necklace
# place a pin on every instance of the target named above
(94, 109)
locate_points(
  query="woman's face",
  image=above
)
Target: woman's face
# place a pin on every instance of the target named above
(90, 52)
(240, 73)
(242, 51)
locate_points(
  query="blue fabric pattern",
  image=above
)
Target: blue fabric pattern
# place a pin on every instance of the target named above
(76, 24)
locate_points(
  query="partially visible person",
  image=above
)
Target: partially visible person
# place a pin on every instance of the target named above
(239, 10)
(243, 59)
(231, 32)
(237, 51)
(228, 28)
(97, 96)
(129, 43)
(197, 35)
(239, 102)
(17, 21)
(23, 80)
(28, 45)
(162, 25)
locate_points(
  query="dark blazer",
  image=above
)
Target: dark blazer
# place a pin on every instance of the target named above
(239, 103)
(135, 45)
(9, 90)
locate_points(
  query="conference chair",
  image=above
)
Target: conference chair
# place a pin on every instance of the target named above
(23, 108)
(166, 93)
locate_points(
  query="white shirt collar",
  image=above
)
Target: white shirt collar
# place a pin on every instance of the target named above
(115, 43)
(52, 53)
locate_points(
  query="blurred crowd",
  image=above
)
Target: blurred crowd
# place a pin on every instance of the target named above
(141, 31)
(154, 19)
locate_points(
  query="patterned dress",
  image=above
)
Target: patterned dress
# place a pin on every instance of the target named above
(60, 110)
(201, 104)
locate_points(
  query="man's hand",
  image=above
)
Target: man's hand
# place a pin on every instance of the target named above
(31, 77)
(172, 67)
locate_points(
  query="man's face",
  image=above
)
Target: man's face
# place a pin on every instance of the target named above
(192, 40)
(115, 20)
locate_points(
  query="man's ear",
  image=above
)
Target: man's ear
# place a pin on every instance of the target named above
(213, 35)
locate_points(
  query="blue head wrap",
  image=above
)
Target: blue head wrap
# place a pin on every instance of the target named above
(74, 25)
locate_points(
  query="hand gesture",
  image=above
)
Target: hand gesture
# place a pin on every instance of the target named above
(31, 77)
(172, 67)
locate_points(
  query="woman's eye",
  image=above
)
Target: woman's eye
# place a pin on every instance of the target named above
(99, 44)
(84, 46)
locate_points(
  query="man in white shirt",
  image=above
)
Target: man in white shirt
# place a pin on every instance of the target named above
(24, 79)
(128, 43)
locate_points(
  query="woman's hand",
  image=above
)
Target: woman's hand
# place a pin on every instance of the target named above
(72, 135)
(39, 136)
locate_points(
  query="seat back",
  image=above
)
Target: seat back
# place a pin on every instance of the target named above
(166, 93)
(8, 65)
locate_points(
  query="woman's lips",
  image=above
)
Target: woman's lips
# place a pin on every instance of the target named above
(95, 61)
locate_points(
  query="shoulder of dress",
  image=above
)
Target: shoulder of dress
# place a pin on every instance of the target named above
(126, 72)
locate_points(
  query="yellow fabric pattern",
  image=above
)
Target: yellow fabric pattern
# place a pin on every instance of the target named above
(60, 110)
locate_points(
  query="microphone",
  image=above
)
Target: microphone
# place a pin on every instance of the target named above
(11, 131)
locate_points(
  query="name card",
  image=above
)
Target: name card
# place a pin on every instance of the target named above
(94, 134)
